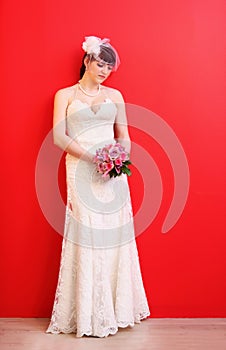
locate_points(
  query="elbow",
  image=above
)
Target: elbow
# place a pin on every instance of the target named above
(57, 141)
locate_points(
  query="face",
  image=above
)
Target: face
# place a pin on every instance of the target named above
(98, 70)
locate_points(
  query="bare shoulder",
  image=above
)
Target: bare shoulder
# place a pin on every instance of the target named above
(114, 94)
(65, 93)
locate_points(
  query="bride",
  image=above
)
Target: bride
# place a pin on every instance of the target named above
(100, 285)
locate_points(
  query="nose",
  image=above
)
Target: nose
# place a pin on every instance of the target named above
(105, 69)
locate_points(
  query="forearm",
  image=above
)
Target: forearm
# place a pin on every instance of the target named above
(70, 146)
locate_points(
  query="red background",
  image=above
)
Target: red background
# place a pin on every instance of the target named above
(173, 55)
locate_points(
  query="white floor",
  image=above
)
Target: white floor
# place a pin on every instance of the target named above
(157, 334)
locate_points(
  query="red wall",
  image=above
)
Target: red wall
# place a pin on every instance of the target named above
(172, 55)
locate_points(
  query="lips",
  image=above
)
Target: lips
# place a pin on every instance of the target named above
(101, 76)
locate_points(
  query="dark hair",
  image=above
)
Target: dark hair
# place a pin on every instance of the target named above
(107, 54)
(83, 67)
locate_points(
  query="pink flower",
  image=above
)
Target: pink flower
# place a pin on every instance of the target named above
(106, 157)
(100, 168)
(124, 156)
(118, 169)
(108, 167)
(114, 153)
(118, 162)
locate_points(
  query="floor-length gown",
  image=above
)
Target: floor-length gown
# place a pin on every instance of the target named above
(100, 286)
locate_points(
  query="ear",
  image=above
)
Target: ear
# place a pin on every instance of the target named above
(86, 61)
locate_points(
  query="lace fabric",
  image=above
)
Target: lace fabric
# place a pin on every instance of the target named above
(98, 291)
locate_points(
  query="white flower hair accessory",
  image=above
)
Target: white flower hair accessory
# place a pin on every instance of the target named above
(92, 44)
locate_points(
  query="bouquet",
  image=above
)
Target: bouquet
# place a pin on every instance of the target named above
(112, 160)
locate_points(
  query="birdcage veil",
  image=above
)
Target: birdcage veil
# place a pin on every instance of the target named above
(101, 50)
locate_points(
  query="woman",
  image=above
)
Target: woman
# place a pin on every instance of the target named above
(100, 286)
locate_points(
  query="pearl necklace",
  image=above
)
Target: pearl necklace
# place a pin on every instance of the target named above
(87, 93)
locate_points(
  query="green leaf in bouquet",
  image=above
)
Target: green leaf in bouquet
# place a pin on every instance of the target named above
(126, 170)
(127, 162)
(112, 172)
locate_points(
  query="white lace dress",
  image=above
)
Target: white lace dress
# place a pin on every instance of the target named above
(100, 286)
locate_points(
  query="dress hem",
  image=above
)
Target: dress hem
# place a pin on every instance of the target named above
(110, 331)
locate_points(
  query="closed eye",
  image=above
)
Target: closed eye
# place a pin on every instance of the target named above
(110, 67)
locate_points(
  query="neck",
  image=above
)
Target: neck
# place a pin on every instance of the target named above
(89, 84)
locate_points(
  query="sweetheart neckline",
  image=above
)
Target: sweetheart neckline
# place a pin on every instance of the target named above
(106, 100)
